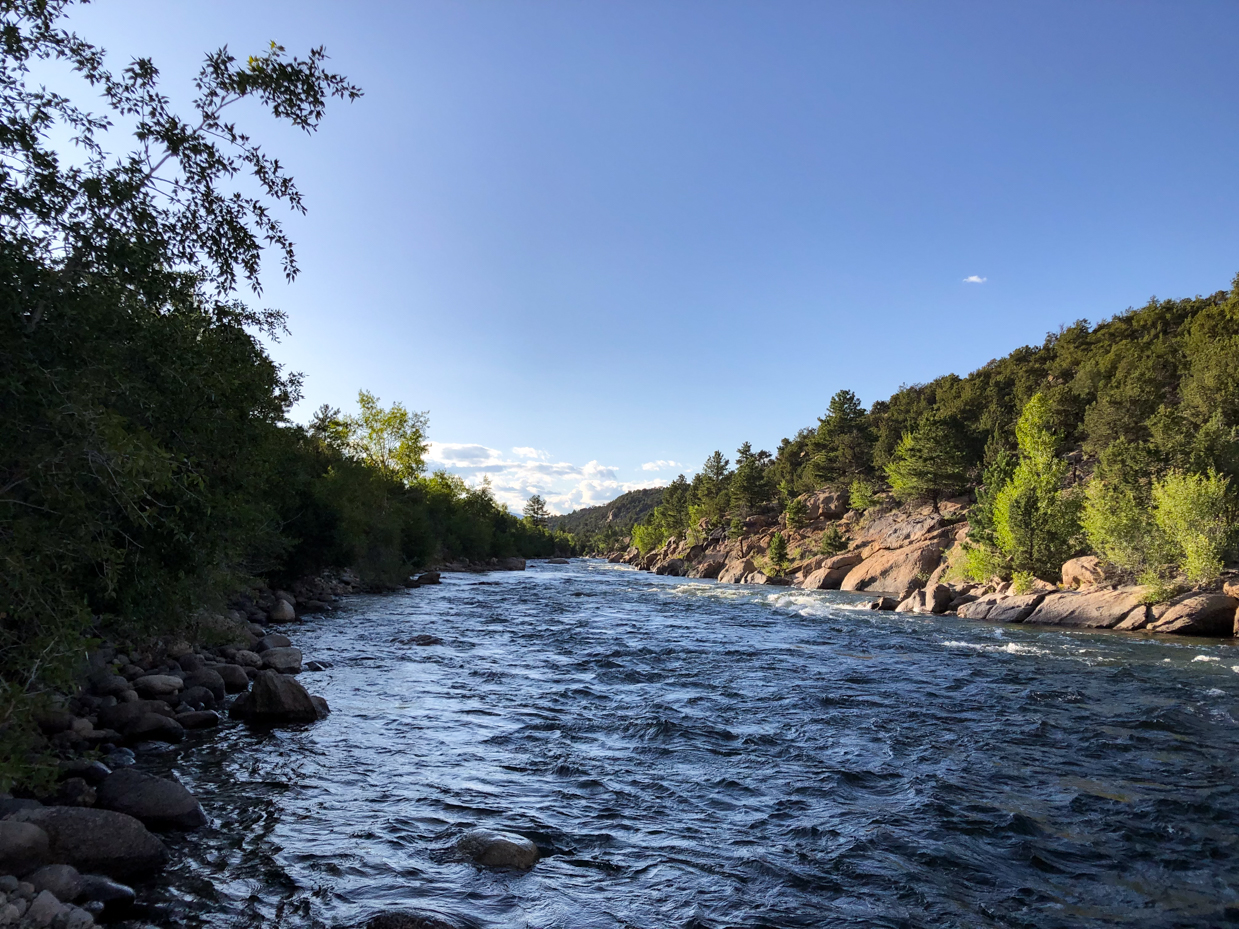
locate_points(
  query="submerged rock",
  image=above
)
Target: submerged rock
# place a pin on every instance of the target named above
(158, 802)
(277, 699)
(412, 919)
(493, 849)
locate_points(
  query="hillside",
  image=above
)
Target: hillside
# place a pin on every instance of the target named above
(621, 513)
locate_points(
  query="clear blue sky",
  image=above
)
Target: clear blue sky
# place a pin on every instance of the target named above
(623, 233)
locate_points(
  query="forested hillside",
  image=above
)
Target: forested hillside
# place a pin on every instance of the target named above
(601, 527)
(1117, 438)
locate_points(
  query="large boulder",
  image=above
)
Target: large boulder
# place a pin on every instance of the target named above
(711, 568)
(493, 849)
(277, 699)
(62, 880)
(272, 640)
(23, 846)
(832, 571)
(736, 570)
(234, 677)
(1209, 614)
(283, 660)
(153, 727)
(1001, 608)
(898, 571)
(899, 529)
(158, 802)
(1084, 571)
(825, 504)
(1097, 609)
(157, 685)
(210, 679)
(105, 841)
(511, 564)
(933, 599)
(673, 567)
(282, 612)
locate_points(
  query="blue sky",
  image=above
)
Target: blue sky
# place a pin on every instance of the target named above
(598, 240)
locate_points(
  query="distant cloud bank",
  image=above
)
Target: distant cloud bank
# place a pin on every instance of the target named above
(659, 465)
(975, 279)
(515, 477)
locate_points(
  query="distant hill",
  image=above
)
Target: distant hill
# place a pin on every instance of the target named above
(620, 513)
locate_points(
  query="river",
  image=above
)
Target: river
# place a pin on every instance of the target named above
(689, 754)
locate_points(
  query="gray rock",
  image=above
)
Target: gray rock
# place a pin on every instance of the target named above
(199, 719)
(248, 659)
(153, 727)
(98, 840)
(209, 678)
(282, 612)
(198, 697)
(8, 884)
(157, 685)
(191, 663)
(1209, 614)
(76, 918)
(44, 908)
(61, 879)
(493, 849)
(234, 677)
(158, 802)
(274, 640)
(412, 919)
(107, 684)
(1014, 609)
(276, 699)
(283, 660)
(23, 846)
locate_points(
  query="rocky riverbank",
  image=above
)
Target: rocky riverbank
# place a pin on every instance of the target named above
(904, 556)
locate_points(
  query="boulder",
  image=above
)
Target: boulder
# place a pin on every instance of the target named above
(895, 571)
(23, 846)
(672, 567)
(248, 659)
(43, 909)
(511, 564)
(198, 697)
(615, 558)
(412, 919)
(152, 727)
(826, 578)
(198, 719)
(158, 802)
(283, 660)
(92, 840)
(758, 577)
(885, 604)
(493, 849)
(824, 504)
(124, 714)
(430, 577)
(100, 889)
(282, 612)
(736, 570)
(933, 599)
(709, 569)
(105, 683)
(1210, 614)
(62, 880)
(1084, 571)
(157, 685)
(557, 561)
(234, 677)
(899, 529)
(273, 640)
(1099, 609)
(276, 699)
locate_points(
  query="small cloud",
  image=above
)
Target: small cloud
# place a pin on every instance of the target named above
(659, 465)
(975, 279)
(525, 452)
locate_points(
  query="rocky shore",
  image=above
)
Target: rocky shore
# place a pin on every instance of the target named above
(903, 556)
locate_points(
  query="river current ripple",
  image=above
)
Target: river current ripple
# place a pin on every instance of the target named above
(688, 754)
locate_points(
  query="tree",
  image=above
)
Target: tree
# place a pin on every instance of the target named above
(778, 552)
(795, 512)
(1194, 512)
(392, 441)
(929, 463)
(748, 485)
(536, 513)
(842, 447)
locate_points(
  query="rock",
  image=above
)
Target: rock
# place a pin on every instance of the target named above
(191, 663)
(1100, 609)
(493, 849)
(74, 791)
(61, 879)
(273, 640)
(284, 660)
(248, 659)
(1208, 614)
(282, 612)
(1084, 571)
(757, 577)
(157, 685)
(199, 719)
(424, 639)
(233, 676)
(43, 909)
(1001, 608)
(152, 727)
(98, 840)
(615, 558)
(511, 564)
(276, 699)
(23, 846)
(1230, 587)
(99, 889)
(826, 578)
(412, 919)
(557, 561)
(674, 567)
(885, 604)
(160, 803)
(825, 504)
(286, 597)
(430, 577)
(735, 571)
(123, 714)
(895, 571)
(75, 918)
(106, 684)
(198, 698)
(709, 569)
(900, 529)
(208, 678)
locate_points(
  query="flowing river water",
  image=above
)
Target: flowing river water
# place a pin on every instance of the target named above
(690, 754)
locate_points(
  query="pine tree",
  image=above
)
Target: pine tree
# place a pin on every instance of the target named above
(536, 513)
(929, 463)
(778, 552)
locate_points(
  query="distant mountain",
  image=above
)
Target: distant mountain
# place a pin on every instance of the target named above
(620, 513)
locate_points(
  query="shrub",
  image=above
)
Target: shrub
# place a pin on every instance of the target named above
(736, 530)
(796, 512)
(862, 495)
(1192, 511)
(832, 541)
(778, 553)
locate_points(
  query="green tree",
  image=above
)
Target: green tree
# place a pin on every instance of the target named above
(1037, 523)
(748, 485)
(832, 541)
(842, 447)
(777, 553)
(392, 440)
(1195, 513)
(929, 463)
(796, 513)
(536, 513)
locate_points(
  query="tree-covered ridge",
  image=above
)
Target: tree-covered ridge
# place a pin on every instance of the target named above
(1140, 408)
(620, 514)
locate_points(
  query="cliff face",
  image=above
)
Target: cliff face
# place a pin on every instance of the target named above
(902, 555)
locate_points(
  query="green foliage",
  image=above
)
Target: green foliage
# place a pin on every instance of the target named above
(1193, 511)
(1022, 582)
(796, 513)
(842, 446)
(535, 511)
(749, 486)
(392, 441)
(929, 463)
(736, 529)
(777, 553)
(832, 541)
(1036, 523)
(862, 495)
(1119, 526)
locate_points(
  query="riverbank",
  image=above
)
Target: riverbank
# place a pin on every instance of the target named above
(904, 555)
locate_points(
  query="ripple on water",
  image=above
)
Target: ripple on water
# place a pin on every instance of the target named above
(685, 753)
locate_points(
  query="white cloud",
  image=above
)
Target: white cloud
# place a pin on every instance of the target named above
(975, 279)
(659, 465)
(528, 471)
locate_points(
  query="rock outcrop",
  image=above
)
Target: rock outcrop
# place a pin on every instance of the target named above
(1207, 614)
(896, 571)
(1100, 609)
(277, 699)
